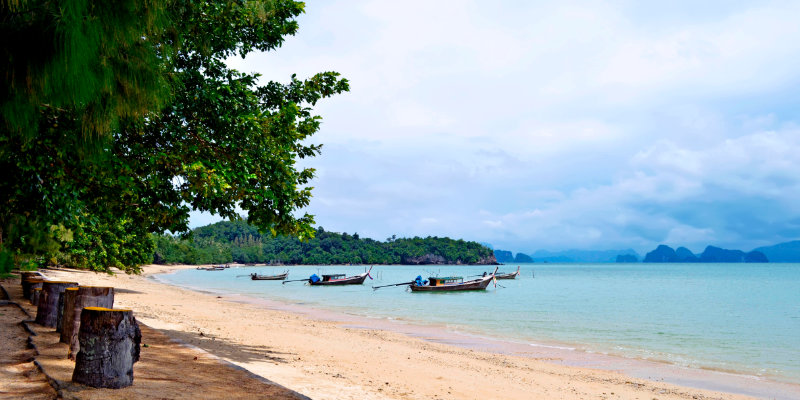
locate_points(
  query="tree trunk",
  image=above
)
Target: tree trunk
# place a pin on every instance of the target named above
(109, 345)
(85, 296)
(47, 311)
(37, 293)
(28, 284)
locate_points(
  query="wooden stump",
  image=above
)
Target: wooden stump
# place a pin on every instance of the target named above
(28, 284)
(109, 345)
(47, 311)
(70, 295)
(60, 310)
(75, 300)
(37, 293)
(30, 274)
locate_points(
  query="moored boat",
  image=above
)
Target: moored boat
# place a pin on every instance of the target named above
(451, 284)
(510, 275)
(446, 284)
(212, 268)
(336, 279)
(279, 277)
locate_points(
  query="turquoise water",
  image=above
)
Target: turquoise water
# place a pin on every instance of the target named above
(742, 318)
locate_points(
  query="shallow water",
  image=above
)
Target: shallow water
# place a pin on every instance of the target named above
(741, 318)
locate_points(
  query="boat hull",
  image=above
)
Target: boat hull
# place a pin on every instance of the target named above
(478, 284)
(269, 277)
(351, 280)
(512, 275)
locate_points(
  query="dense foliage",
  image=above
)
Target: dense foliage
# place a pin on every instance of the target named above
(129, 118)
(237, 241)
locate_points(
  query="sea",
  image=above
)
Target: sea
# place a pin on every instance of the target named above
(724, 327)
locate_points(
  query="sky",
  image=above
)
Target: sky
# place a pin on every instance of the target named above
(554, 125)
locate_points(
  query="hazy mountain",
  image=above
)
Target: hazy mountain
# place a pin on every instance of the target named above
(665, 254)
(523, 258)
(662, 254)
(685, 255)
(503, 256)
(582, 256)
(627, 258)
(783, 252)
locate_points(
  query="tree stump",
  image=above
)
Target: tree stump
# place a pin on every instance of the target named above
(47, 311)
(37, 292)
(60, 309)
(75, 300)
(30, 274)
(109, 345)
(28, 284)
(70, 295)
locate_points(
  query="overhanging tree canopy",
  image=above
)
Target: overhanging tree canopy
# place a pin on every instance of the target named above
(214, 141)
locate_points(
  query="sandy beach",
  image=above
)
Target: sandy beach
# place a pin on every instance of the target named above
(326, 359)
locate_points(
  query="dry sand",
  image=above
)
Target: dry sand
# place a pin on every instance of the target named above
(167, 369)
(19, 377)
(328, 360)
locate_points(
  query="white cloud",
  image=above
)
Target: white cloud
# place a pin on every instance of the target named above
(554, 125)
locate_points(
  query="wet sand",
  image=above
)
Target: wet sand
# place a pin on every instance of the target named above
(329, 356)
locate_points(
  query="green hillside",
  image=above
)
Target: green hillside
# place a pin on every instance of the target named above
(236, 241)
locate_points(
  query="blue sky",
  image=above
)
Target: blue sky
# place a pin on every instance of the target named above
(554, 125)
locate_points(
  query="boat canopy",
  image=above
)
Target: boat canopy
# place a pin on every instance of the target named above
(435, 281)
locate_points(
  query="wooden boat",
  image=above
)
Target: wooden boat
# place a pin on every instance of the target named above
(212, 268)
(340, 279)
(279, 277)
(511, 275)
(451, 283)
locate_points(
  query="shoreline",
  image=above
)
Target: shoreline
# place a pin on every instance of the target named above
(564, 354)
(312, 358)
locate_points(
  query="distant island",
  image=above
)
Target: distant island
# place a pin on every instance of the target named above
(236, 241)
(782, 252)
(627, 258)
(787, 252)
(567, 256)
(666, 254)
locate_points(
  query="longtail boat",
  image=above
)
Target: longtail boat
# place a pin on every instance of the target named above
(452, 284)
(510, 275)
(336, 279)
(212, 268)
(446, 284)
(279, 277)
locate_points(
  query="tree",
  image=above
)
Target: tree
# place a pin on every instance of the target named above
(97, 58)
(218, 141)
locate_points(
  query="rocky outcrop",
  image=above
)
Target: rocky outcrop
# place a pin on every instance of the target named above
(756, 257)
(488, 260)
(627, 258)
(662, 254)
(685, 255)
(711, 254)
(424, 259)
(523, 258)
(435, 259)
(581, 256)
(782, 252)
(503, 256)
(716, 254)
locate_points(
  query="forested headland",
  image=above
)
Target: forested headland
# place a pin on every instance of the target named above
(237, 241)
